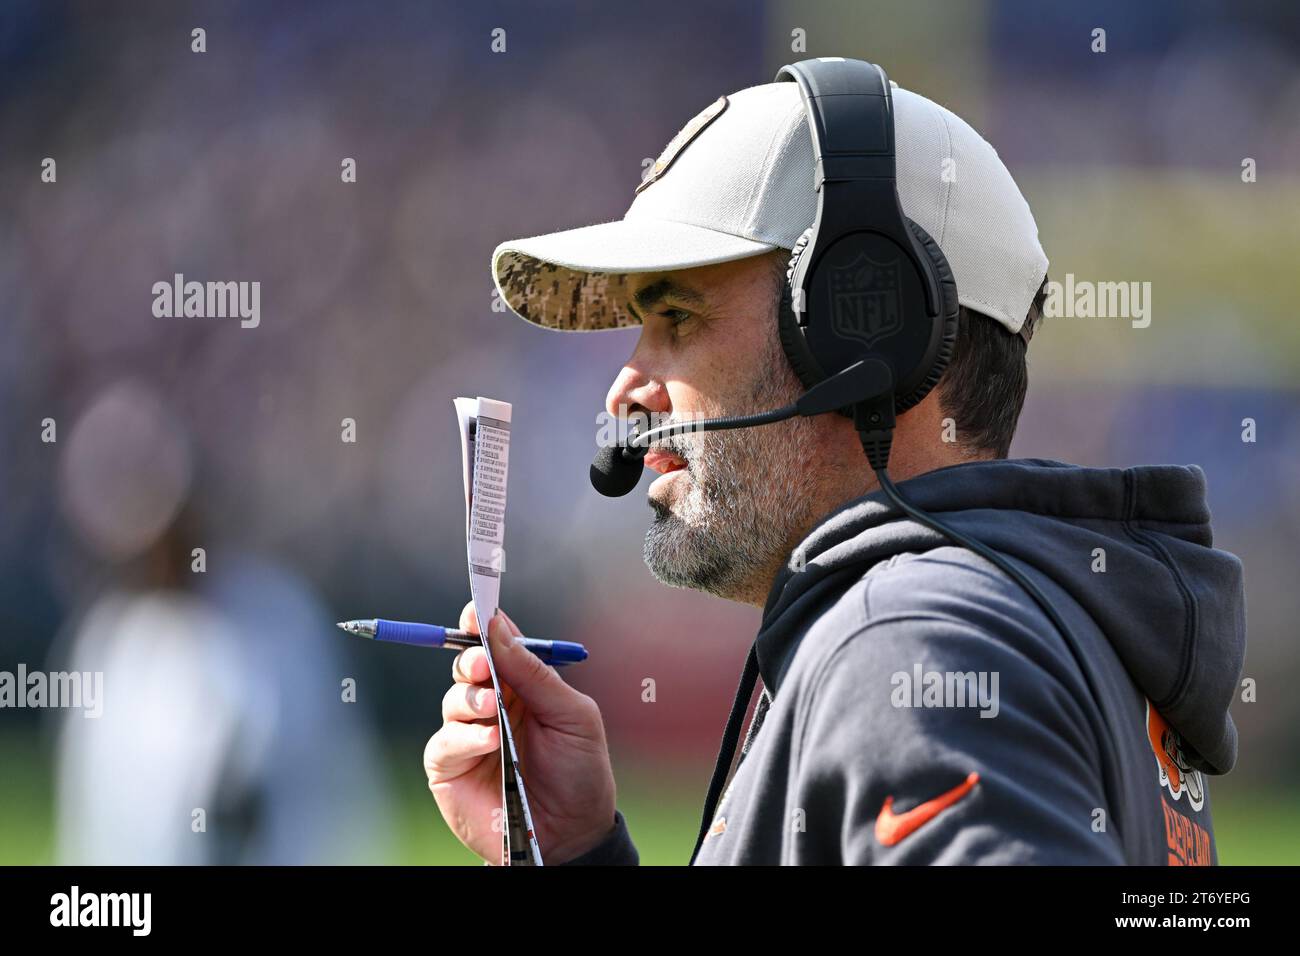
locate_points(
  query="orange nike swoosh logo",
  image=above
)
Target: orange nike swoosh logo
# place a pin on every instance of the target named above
(892, 827)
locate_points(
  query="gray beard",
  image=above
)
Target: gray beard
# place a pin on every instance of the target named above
(743, 502)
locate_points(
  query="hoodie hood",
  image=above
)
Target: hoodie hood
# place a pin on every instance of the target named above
(1171, 605)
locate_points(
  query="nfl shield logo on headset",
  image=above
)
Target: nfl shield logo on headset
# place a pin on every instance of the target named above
(866, 300)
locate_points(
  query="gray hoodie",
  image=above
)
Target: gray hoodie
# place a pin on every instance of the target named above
(919, 707)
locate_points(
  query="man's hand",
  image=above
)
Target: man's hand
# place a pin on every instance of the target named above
(558, 733)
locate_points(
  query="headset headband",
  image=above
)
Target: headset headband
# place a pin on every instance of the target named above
(833, 90)
(850, 115)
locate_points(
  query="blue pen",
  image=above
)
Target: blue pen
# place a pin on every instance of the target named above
(555, 653)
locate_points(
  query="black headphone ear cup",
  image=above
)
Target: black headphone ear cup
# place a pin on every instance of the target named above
(949, 313)
(792, 338)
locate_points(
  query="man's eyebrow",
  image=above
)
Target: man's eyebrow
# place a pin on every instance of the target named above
(667, 289)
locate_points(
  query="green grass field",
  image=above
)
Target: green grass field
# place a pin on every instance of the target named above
(661, 808)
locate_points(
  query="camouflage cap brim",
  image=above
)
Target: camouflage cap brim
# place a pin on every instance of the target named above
(556, 297)
(575, 280)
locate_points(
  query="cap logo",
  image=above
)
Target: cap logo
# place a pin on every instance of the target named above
(679, 142)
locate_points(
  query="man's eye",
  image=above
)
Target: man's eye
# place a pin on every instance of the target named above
(676, 317)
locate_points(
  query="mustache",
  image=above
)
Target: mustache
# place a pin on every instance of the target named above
(683, 446)
(679, 445)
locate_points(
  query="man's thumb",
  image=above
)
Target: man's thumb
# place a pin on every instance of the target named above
(535, 683)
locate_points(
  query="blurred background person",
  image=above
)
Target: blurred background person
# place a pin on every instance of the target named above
(223, 736)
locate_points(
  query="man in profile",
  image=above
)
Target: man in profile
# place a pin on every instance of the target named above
(916, 705)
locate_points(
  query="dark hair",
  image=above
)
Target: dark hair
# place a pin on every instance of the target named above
(983, 388)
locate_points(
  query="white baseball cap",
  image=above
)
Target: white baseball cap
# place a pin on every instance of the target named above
(737, 181)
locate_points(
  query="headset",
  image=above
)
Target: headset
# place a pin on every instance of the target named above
(868, 319)
(865, 283)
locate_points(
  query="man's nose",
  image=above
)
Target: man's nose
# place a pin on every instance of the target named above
(635, 391)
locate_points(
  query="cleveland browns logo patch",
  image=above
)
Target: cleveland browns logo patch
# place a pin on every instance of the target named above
(679, 142)
(1176, 774)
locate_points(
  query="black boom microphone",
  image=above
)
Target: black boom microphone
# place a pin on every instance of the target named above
(616, 469)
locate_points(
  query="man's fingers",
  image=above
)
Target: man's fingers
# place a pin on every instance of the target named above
(471, 667)
(468, 702)
(468, 620)
(456, 746)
